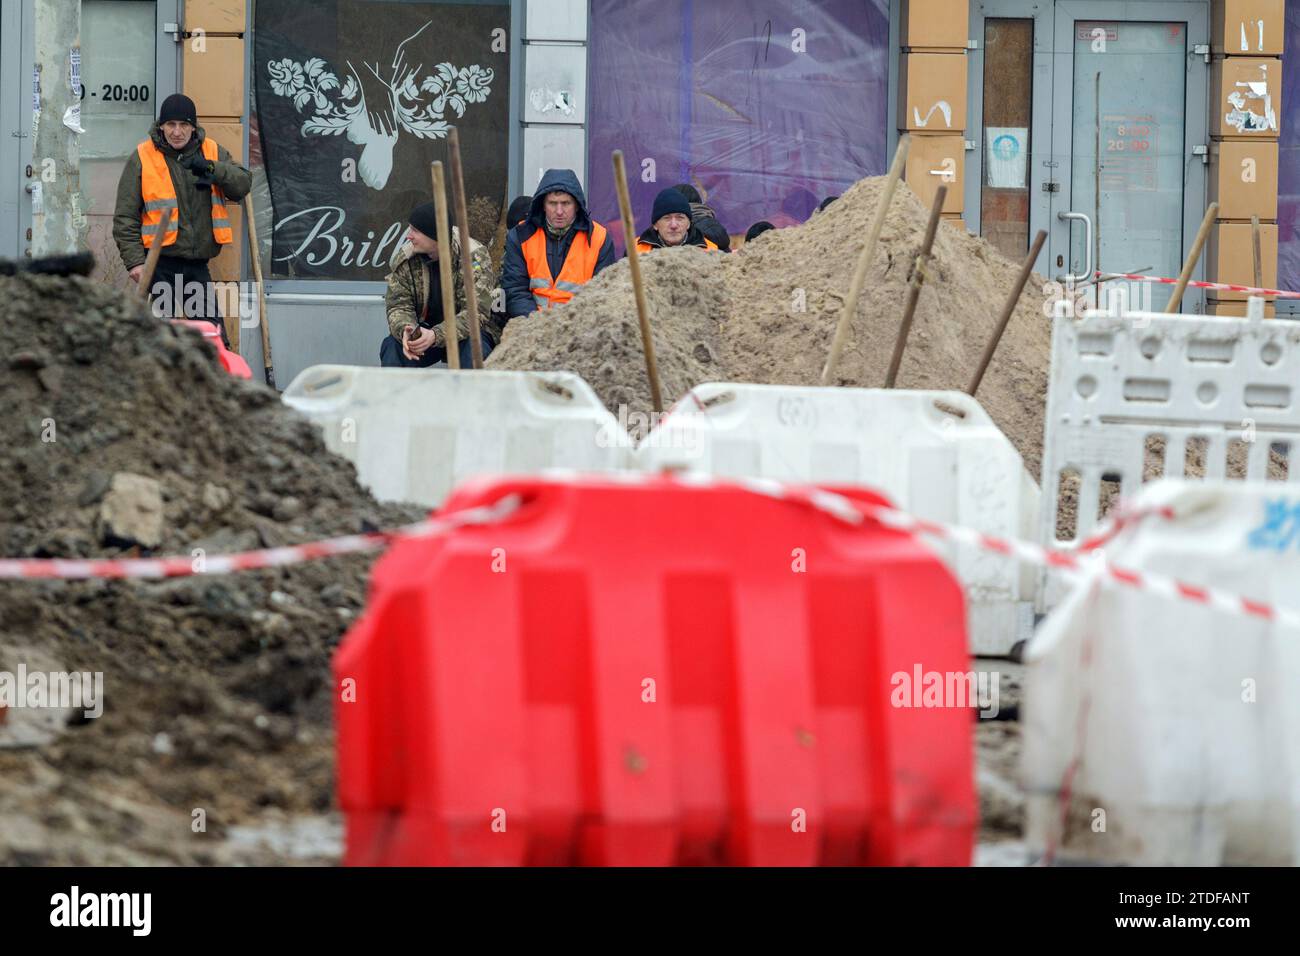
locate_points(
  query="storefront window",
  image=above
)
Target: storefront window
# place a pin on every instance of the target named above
(766, 107)
(118, 101)
(353, 102)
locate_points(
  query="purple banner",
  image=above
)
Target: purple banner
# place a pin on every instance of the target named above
(1288, 172)
(766, 107)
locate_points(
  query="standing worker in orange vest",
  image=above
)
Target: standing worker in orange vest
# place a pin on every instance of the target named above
(556, 250)
(178, 168)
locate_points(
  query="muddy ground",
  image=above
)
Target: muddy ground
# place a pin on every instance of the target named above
(215, 745)
(216, 690)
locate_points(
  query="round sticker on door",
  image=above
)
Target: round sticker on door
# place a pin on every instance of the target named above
(1007, 151)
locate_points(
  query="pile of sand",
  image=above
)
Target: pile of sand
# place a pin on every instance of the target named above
(598, 337)
(767, 313)
(216, 689)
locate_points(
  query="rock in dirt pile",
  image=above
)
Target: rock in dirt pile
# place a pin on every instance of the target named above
(123, 437)
(767, 314)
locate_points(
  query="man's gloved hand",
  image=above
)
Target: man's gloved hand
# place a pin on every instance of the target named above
(202, 168)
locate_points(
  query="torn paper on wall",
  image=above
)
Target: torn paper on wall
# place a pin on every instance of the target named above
(941, 105)
(1252, 108)
(546, 100)
(1245, 45)
(72, 118)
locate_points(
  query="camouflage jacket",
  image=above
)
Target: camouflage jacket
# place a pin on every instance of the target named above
(410, 280)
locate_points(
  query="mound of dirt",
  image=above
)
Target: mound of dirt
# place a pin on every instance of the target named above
(597, 335)
(216, 689)
(767, 314)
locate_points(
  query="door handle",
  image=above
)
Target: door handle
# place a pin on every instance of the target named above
(1087, 245)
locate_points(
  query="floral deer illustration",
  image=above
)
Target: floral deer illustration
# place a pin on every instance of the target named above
(373, 108)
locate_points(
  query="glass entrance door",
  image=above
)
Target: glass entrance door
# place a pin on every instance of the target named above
(1129, 111)
(1086, 118)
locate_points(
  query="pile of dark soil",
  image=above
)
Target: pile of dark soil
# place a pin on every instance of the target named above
(216, 689)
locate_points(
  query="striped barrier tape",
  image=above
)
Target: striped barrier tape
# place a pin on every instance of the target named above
(1121, 519)
(1225, 286)
(1072, 563)
(119, 568)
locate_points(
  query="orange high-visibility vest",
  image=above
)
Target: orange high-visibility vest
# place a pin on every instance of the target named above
(159, 194)
(579, 266)
(644, 247)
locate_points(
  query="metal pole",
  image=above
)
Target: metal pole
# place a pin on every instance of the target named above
(60, 227)
(1096, 181)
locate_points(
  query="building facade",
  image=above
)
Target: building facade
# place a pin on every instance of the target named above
(1111, 125)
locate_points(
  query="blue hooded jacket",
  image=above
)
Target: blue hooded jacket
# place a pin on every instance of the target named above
(514, 271)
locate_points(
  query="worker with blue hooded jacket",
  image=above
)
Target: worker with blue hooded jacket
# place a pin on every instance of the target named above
(556, 250)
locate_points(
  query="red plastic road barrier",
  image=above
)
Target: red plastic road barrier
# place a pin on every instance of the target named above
(232, 362)
(651, 673)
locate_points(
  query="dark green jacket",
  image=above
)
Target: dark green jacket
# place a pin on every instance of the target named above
(194, 239)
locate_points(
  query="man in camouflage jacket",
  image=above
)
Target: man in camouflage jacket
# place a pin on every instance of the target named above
(414, 298)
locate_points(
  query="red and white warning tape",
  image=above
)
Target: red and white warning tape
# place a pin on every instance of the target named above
(62, 568)
(1225, 286)
(1072, 564)
(1084, 558)
(1120, 519)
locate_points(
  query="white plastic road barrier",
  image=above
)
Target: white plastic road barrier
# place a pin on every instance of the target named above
(937, 455)
(1168, 732)
(1123, 384)
(1123, 381)
(413, 434)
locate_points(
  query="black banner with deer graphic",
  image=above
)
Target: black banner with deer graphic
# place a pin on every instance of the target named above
(353, 102)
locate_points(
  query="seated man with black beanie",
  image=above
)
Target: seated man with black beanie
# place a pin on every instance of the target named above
(670, 225)
(414, 298)
(178, 172)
